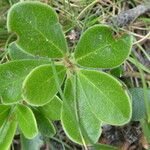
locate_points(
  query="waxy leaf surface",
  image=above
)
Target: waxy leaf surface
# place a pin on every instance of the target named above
(12, 75)
(79, 123)
(52, 110)
(38, 29)
(39, 86)
(26, 121)
(7, 132)
(98, 48)
(106, 97)
(138, 104)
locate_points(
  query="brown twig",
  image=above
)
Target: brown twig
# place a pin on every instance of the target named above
(128, 16)
(137, 75)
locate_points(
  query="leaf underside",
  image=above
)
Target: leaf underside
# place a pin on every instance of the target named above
(138, 105)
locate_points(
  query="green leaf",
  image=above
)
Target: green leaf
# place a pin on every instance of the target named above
(12, 75)
(106, 97)
(32, 144)
(7, 132)
(15, 52)
(98, 48)
(52, 110)
(26, 121)
(45, 126)
(138, 105)
(38, 29)
(117, 72)
(4, 112)
(39, 86)
(78, 122)
(103, 147)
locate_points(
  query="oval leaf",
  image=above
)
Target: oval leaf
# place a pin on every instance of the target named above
(45, 126)
(97, 48)
(78, 122)
(12, 75)
(4, 112)
(52, 110)
(26, 121)
(39, 87)
(7, 132)
(106, 97)
(38, 29)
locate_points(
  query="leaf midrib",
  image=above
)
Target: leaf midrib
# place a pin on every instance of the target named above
(36, 29)
(86, 55)
(100, 92)
(92, 52)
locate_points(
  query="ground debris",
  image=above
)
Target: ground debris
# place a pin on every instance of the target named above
(128, 137)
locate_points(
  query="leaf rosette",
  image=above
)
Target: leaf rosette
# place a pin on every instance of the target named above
(41, 63)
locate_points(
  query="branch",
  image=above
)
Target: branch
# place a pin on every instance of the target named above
(128, 16)
(137, 75)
